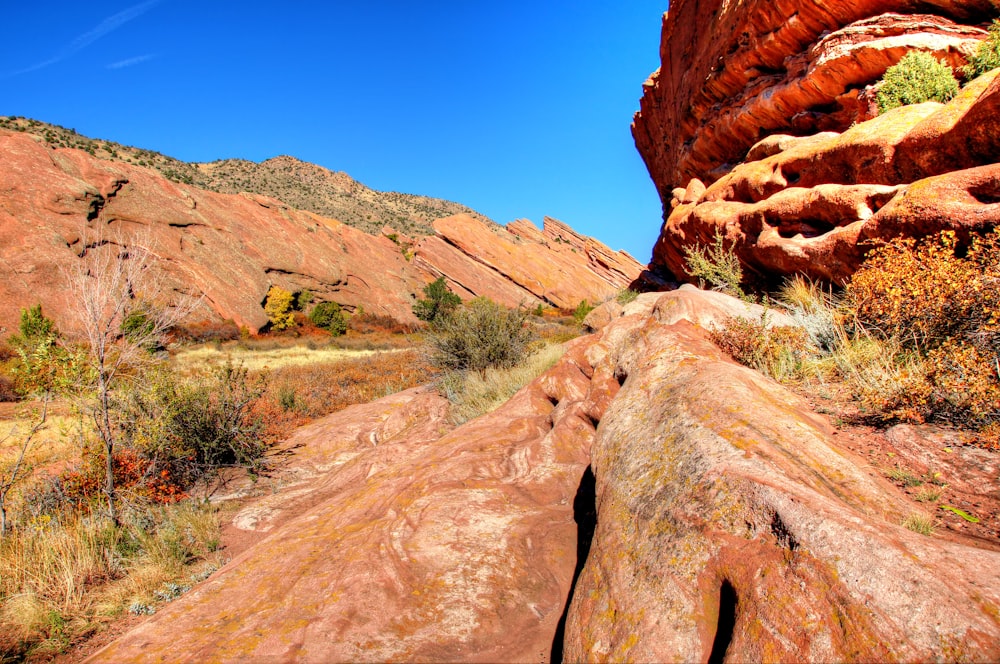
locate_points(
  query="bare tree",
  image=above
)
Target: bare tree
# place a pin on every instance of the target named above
(19, 470)
(123, 313)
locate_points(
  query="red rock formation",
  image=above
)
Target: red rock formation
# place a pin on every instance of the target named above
(727, 523)
(739, 107)
(232, 248)
(806, 205)
(733, 73)
(403, 544)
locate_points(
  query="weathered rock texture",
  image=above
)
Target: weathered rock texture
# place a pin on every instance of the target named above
(778, 88)
(405, 544)
(727, 524)
(232, 248)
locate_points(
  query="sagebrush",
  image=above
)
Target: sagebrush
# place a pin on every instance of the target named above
(916, 78)
(479, 335)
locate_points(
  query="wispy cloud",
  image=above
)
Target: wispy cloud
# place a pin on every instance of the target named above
(81, 42)
(128, 62)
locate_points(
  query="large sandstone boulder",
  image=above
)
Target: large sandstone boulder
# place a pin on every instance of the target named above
(729, 525)
(231, 248)
(772, 109)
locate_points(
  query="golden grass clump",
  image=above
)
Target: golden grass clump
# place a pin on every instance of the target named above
(475, 393)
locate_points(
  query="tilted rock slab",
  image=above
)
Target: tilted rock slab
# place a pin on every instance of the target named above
(729, 525)
(231, 248)
(412, 543)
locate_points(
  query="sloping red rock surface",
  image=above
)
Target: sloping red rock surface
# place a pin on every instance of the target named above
(724, 523)
(771, 107)
(729, 523)
(232, 248)
(404, 541)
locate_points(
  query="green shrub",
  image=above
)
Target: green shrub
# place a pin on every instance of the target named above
(987, 56)
(43, 362)
(717, 265)
(917, 78)
(581, 311)
(278, 307)
(34, 325)
(330, 317)
(627, 295)
(303, 299)
(439, 304)
(480, 335)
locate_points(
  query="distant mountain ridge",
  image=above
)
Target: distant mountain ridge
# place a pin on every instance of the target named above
(56, 202)
(298, 184)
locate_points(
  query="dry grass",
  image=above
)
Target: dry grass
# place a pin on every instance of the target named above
(920, 523)
(318, 389)
(473, 394)
(62, 580)
(259, 359)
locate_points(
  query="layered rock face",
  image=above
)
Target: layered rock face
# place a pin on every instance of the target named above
(58, 204)
(725, 524)
(785, 86)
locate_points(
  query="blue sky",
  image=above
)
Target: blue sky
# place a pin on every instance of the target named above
(517, 109)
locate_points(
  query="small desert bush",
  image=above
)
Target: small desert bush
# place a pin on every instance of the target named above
(987, 55)
(937, 305)
(916, 78)
(480, 335)
(626, 295)
(777, 351)
(473, 393)
(328, 316)
(368, 323)
(716, 265)
(926, 292)
(581, 311)
(44, 363)
(920, 523)
(171, 432)
(203, 331)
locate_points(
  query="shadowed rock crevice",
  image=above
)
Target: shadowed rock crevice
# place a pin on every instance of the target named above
(728, 601)
(585, 515)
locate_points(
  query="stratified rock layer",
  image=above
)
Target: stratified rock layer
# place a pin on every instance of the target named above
(770, 105)
(728, 525)
(232, 248)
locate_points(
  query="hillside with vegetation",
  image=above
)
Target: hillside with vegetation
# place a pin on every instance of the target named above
(296, 183)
